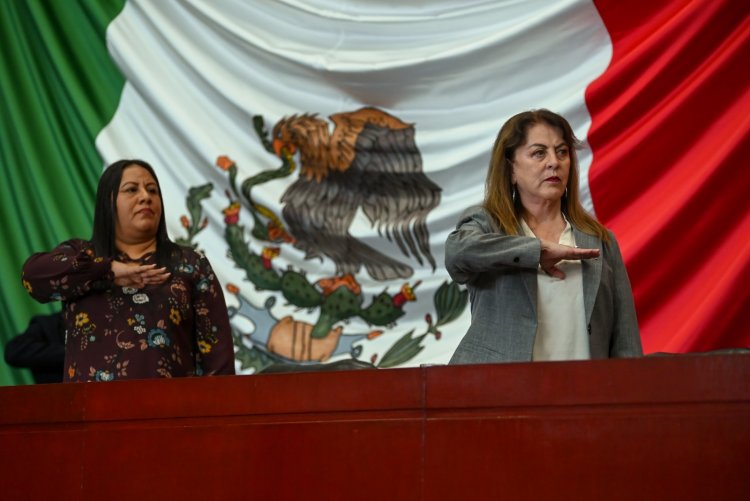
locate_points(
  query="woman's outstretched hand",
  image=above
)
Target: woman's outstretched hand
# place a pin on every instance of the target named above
(138, 275)
(553, 253)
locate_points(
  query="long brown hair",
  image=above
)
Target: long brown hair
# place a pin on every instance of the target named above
(498, 197)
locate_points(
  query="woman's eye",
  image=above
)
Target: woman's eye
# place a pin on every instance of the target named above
(538, 154)
(562, 152)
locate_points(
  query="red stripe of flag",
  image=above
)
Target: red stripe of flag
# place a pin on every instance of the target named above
(670, 175)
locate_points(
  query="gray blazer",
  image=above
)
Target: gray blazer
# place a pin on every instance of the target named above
(500, 272)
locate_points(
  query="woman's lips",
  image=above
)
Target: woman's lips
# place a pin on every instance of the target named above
(553, 179)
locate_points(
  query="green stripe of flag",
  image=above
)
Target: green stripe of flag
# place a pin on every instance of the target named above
(58, 89)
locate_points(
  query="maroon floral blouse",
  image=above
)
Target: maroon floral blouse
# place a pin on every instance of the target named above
(177, 328)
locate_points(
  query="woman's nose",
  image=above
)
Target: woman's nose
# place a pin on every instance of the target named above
(145, 195)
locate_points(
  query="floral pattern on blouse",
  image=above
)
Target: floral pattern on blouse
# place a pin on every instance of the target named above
(177, 328)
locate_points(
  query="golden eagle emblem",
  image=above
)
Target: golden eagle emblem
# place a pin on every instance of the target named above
(370, 161)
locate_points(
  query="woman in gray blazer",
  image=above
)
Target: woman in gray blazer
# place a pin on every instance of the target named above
(546, 280)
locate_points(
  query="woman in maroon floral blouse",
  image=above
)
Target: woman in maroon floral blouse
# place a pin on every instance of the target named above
(137, 305)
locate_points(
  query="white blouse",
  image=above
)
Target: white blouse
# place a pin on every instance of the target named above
(561, 319)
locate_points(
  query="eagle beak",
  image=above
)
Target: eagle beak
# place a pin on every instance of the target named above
(279, 145)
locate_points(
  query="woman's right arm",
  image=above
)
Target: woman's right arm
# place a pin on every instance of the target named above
(70, 270)
(473, 248)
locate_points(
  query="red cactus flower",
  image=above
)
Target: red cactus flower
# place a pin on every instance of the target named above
(224, 162)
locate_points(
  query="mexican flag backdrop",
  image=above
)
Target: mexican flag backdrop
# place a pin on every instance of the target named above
(331, 247)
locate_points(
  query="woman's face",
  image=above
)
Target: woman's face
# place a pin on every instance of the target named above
(541, 165)
(138, 206)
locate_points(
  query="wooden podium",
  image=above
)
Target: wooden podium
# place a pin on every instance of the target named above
(654, 428)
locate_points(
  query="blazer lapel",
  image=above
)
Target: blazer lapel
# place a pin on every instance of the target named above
(529, 279)
(591, 270)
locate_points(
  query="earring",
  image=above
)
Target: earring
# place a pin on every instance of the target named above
(514, 192)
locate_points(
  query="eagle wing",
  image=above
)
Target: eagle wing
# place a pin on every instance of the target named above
(371, 161)
(319, 214)
(396, 196)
